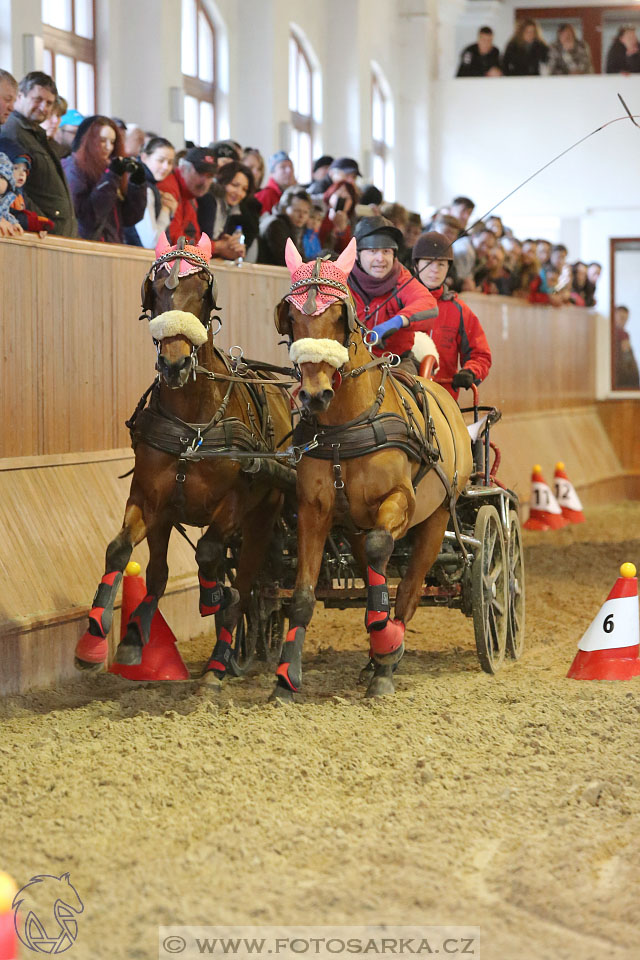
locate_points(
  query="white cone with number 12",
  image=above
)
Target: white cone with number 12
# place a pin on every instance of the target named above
(568, 499)
(609, 648)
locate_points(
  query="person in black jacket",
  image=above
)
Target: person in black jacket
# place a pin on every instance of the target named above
(478, 58)
(624, 52)
(525, 52)
(288, 221)
(230, 208)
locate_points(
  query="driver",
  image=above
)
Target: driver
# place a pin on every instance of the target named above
(387, 298)
(457, 332)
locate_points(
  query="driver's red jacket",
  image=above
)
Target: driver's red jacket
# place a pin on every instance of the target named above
(460, 340)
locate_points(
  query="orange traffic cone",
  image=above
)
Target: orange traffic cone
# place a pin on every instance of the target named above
(609, 649)
(160, 657)
(544, 512)
(568, 499)
(8, 936)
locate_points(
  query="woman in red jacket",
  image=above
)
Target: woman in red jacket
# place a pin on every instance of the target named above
(387, 298)
(457, 332)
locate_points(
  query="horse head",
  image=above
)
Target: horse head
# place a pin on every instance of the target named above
(178, 298)
(318, 317)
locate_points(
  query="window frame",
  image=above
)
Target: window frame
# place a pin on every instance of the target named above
(381, 148)
(300, 122)
(203, 91)
(79, 49)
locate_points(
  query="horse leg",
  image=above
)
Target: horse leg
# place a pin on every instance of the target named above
(427, 541)
(129, 651)
(217, 600)
(386, 636)
(92, 648)
(313, 529)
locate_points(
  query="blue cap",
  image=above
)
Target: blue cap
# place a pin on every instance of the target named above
(279, 157)
(72, 118)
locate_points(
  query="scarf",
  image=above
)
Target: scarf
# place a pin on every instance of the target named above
(372, 288)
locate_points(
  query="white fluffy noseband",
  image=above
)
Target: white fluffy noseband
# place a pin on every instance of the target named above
(176, 323)
(310, 350)
(423, 346)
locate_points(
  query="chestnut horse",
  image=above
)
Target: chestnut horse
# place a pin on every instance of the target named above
(199, 414)
(394, 454)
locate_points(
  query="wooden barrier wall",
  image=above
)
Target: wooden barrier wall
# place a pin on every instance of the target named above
(74, 360)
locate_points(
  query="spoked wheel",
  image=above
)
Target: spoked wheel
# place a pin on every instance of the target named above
(489, 584)
(244, 646)
(258, 636)
(515, 557)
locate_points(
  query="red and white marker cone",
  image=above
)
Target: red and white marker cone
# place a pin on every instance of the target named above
(609, 649)
(544, 512)
(8, 936)
(160, 657)
(568, 499)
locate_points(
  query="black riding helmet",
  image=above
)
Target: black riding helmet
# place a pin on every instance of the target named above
(377, 233)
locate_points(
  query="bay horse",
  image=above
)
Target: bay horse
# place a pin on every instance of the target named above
(200, 413)
(392, 453)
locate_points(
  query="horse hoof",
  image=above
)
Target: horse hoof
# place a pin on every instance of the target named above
(366, 673)
(129, 652)
(87, 666)
(210, 679)
(281, 694)
(380, 686)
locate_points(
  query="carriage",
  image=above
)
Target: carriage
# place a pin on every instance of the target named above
(479, 569)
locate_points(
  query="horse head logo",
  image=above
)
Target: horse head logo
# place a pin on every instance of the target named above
(44, 914)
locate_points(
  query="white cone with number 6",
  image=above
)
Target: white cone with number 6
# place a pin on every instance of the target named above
(609, 648)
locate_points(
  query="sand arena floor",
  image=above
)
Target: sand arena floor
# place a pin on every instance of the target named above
(510, 802)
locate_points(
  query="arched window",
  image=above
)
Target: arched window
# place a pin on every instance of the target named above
(198, 72)
(382, 134)
(70, 50)
(301, 104)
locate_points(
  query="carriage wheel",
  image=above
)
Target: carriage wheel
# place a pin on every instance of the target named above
(515, 555)
(244, 646)
(489, 585)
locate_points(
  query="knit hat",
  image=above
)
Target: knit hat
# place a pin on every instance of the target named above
(280, 156)
(72, 118)
(324, 161)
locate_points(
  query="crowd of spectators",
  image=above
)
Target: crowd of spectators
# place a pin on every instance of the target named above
(528, 54)
(99, 179)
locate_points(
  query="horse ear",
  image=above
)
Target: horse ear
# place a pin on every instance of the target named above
(162, 245)
(348, 256)
(292, 256)
(282, 319)
(204, 245)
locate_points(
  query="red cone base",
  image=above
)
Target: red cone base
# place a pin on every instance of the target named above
(8, 937)
(620, 663)
(160, 657)
(572, 516)
(533, 523)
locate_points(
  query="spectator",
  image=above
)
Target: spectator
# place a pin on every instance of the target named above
(496, 226)
(253, 159)
(7, 191)
(624, 52)
(342, 168)
(512, 254)
(232, 213)
(579, 284)
(625, 367)
(336, 229)
(134, 140)
(225, 151)
(287, 222)
(52, 124)
(387, 298)
(412, 230)
(493, 277)
(157, 159)
(545, 290)
(320, 171)
(21, 165)
(480, 57)
(593, 275)
(281, 176)
(370, 202)
(529, 280)
(8, 94)
(191, 179)
(311, 236)
(456, 332)
(67, 129)
(525, 52)
(47, 188)
(461, 208)
(543, 251)
(568, 55)
(108, 190)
